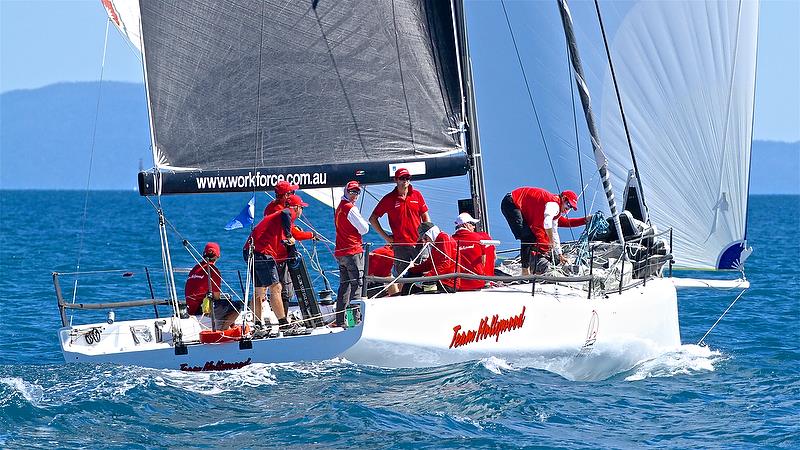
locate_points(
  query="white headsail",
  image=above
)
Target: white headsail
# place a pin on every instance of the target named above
(686, 72)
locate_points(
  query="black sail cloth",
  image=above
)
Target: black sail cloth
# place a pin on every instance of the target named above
(255, 87)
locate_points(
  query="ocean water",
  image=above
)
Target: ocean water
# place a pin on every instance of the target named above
(740, 391)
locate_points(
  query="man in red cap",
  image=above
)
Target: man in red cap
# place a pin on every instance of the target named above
(270, 240)
(350, 226)
(533, 214)
(204, 280)
(406, 209)
(283, 190)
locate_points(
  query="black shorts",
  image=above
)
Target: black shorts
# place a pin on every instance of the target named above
(223, 307)
(266, 270)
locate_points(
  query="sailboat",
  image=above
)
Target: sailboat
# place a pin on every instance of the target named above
(242, 95)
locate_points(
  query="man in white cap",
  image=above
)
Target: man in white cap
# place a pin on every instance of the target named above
(471, 253)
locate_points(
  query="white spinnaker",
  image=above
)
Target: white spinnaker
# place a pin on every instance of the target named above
(125, 15)
(686, 72)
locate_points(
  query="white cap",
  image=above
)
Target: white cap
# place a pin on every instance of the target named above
(465, 218)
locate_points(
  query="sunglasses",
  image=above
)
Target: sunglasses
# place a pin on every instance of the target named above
(354, 192)
(404, 178)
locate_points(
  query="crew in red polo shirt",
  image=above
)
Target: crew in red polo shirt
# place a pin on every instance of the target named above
(350, 226)
(284, 190)
(406, 210)
(470, 254)
(270, 238)
(533, 214)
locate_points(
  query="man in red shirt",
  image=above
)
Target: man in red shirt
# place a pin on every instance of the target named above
(406, 210)
(350, 226)
(205, 279)
(282, 192)
(270, 239)
(443, 255)
(533, 214)
(471, 254)
(381, 261)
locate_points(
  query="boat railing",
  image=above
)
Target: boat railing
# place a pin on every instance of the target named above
(644, 266)
(64, 305)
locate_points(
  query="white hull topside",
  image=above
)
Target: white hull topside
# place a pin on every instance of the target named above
(117, 345)
(558, 321)
(596, 337)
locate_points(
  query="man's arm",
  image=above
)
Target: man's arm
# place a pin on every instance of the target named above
(286, 224)
(357, 220)
(373, 220)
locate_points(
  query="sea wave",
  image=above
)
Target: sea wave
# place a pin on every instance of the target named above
(686, 360)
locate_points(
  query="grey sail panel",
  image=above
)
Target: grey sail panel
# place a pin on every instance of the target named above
(250, 84)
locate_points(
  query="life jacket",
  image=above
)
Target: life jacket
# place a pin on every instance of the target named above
(348, 239)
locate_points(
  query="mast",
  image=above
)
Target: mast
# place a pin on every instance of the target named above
(599, 157)
(469, 129)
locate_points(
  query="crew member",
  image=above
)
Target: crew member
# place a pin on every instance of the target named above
(470, 254)
(204, 280)
(283, 190)
(350, 226)
(533, 214)
(443, 255)
(406, 209)
(381, 261)
(270, 240)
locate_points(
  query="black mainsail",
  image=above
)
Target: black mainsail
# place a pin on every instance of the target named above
(243, 94)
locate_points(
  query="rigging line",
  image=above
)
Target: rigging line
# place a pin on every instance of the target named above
(341, 83)
(720, 317)
(402, 79)
(621, 109)
(575, 125)
(530, 95)
(91, 160)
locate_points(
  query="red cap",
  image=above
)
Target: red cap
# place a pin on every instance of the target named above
(571, 198)
(283, 187)
(295, 200)
(402, 172)
(353, 186)
(212, 250)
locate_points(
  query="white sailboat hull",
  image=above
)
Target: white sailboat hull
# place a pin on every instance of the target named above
(117, 345)
(610, 333)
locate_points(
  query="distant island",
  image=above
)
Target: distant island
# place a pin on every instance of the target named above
(46, 135)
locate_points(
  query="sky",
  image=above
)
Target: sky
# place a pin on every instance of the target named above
(44, 42)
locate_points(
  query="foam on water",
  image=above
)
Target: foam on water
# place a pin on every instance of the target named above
(31, 392)
(496, 365)
(687, 359)
(215, 383)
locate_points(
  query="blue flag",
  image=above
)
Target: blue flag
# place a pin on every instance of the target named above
(245, 218)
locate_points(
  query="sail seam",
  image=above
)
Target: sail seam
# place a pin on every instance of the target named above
(402, 80)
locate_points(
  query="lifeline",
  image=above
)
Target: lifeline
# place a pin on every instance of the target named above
(486, 329)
